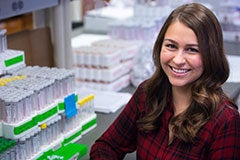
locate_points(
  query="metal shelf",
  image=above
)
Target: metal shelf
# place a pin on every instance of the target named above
(11, 8)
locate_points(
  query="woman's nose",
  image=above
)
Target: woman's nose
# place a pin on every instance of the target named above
(179, 59)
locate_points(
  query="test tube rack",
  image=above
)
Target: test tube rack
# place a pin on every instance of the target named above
(51, 128)
(39, 113)
(66, 111)
(105, 64)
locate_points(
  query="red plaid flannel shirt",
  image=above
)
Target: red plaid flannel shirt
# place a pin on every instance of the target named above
(218, 139)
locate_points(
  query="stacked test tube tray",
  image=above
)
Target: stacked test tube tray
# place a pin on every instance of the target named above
(40, 111)
(9, 59)
(105, 64)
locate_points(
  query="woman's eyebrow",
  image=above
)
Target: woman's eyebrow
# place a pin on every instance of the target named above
(170, 40)
(174, 42)
(192, 45)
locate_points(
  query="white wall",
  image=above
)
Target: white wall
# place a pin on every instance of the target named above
(76, 11)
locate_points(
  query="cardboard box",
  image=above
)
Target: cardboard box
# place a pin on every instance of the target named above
(17, 23)
(36, 44)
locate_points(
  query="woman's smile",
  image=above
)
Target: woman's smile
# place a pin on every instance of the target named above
(179, 70)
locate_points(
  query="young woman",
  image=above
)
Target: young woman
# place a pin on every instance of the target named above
(181, 112)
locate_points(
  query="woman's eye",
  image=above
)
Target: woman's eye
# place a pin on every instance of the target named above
(192, 50)
(170, 46)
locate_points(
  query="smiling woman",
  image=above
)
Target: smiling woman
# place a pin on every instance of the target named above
(180, 57)
(181, 112)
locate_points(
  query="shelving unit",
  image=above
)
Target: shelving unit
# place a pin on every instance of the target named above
(60, 18)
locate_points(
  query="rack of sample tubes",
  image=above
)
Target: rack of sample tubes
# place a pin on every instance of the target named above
(105, 64)
(41, 115)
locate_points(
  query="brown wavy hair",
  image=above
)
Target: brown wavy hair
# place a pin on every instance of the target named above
(206, 91)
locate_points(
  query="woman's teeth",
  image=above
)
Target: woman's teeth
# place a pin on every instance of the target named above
(179, 70)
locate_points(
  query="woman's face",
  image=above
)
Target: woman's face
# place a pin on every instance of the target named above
(180, 57)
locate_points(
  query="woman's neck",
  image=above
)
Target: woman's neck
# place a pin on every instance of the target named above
(181, 99)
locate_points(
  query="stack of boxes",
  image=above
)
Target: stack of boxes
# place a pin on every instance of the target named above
(105, 64)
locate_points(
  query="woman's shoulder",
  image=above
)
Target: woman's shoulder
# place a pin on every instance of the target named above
(226, 112)
(140, 90)
(139, 96)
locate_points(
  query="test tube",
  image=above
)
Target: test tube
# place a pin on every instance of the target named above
(43, 137)
(64, 85)
(20, 109)
(35, 101)
(88, 59)
(82, 73)
(50, 93)
(47, 94)
(14, 112)
(49, 133)
(61, 124)
(81, 59)
(34, 144)
(16, 150)
(25, 114)
(42, 100)
(54, 131)
(45, 98)
(7, 155)
(7, 111)
(71, 82)
(55, 89)
(12, 153)
(2, 114)
(3, 40)
(1, 109)
(22, 148)
(61, 88)
(38, 100)
(68, 83)
(28, 146)
(28, 105)
(92, 103)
